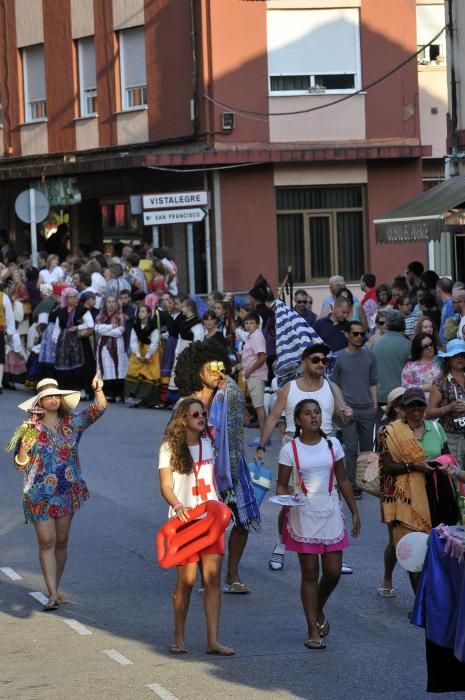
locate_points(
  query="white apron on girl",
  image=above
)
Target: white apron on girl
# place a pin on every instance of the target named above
(320, 520)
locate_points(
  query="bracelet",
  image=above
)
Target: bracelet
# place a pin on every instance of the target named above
(21, 464)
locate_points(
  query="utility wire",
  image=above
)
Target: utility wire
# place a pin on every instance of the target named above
(265, 115)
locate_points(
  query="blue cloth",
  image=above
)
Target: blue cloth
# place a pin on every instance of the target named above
(440, 601)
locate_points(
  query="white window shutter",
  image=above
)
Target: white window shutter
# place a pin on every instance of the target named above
(88, 75)
(135, 73)
(312, 42)
(35, 73)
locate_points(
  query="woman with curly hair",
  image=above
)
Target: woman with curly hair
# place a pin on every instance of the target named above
(187, 478)
(201, 372)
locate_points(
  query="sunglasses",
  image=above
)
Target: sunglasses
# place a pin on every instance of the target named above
(216, 367)
(302, 301)
(319, 360)
(428, 345)
(380, 323)
(198, 414)
(357, 334)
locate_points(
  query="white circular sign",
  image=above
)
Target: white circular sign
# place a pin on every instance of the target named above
(23, 206)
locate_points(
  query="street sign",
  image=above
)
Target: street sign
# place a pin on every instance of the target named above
(32, 206)
(162, 200)
(173, 216)
(23, 206)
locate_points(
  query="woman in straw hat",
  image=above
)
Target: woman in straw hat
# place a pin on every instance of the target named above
(46, 449)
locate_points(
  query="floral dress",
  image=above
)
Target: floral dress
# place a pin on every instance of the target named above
(53, 482)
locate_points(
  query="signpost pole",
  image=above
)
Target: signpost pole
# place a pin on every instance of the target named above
(155, 237)
(190, 258)
(32, 204)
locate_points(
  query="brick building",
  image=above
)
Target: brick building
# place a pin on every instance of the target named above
(105, 99)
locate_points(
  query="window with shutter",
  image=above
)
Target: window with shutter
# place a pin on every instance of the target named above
(133, 68)
(430, 21)
(34, 83)
(313, 51)
(87, 77)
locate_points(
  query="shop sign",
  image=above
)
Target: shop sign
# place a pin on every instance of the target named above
(60, 191)
(163, 200)
(173, 216)
(408, 230)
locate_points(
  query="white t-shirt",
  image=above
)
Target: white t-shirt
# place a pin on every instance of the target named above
(192, 489)
(325, 398)
(53, 277)
(315, 462)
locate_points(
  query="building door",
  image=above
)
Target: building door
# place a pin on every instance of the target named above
(459, 255)
(318, 244)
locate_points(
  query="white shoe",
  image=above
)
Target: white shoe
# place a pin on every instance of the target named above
(346, 569)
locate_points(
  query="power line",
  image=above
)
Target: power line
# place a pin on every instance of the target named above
(249, 114)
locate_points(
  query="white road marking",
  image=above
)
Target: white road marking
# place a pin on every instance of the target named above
(116, 656)
(39, 596)
(161, 692)
(11, 573)
(77, 627)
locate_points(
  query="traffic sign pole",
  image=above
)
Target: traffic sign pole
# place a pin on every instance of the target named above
(190, 258)
(155, 237)
(32, 205)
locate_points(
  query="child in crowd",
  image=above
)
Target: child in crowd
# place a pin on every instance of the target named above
(254, 365)
(187, 462)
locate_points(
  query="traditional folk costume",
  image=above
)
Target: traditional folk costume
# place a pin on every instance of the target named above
(111, 356)
(190, 330)
(74, 360)
(169, 352)
(143, 378)
(7, 326)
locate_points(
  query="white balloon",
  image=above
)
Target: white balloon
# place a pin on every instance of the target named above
(411, 551)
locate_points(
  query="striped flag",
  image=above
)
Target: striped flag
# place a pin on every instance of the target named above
(293, 335)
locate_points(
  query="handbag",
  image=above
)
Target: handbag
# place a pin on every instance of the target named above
(367, 470)
(261, 479)
(85, 332)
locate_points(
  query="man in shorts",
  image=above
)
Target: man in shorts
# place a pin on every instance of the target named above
(254, 365)
(311, 385)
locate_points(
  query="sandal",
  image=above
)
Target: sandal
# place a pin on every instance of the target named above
(236, 587)
(387, 593)
(315, 644)
(276, 562)
(51, 605)
(324, 628)
(178, 649)
(221, 651)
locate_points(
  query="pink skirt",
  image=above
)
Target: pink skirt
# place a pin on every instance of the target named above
(292, 545)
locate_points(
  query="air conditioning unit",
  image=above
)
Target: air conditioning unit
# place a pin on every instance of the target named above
(227, 121)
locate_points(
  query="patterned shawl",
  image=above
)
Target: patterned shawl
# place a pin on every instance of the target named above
(405, 499)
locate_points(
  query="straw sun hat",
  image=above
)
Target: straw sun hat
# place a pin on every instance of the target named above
(49, 387)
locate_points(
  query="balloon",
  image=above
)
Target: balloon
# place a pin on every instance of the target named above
(177, 541)
(411, 551)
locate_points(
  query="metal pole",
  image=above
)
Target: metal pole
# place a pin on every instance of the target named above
(208, 253)
(190, 258)
(32, 205)
(155, 237)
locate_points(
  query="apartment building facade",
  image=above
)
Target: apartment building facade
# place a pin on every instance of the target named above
(262, 104)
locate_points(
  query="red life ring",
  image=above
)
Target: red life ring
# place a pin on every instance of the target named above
(177, 541)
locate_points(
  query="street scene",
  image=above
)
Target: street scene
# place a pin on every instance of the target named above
(232, 349)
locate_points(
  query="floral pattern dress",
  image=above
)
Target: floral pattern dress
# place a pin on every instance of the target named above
(53, 482)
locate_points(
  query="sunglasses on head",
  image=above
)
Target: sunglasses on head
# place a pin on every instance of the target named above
(315, 360)
(216, 367)
(198, 414)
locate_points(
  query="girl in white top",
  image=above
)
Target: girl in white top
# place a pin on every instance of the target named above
(186, 468)
(317, 528)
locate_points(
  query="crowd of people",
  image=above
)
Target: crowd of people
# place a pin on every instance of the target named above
(384, 372)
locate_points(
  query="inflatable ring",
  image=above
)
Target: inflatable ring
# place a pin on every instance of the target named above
(177, 541)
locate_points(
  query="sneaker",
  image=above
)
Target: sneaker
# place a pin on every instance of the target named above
(346, 569)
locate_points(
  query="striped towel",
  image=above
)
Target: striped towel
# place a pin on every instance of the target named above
(293, 335)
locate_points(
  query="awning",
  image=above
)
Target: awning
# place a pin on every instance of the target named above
(422, 218)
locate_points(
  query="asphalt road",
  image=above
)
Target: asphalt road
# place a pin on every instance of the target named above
(111, 640)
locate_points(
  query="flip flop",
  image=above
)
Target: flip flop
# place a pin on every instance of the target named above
(324, 628)
(314, 644)
(387, 593)
(178, 649)
(51, 605)
(276, 562)
(236, 587)
(221, 651)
